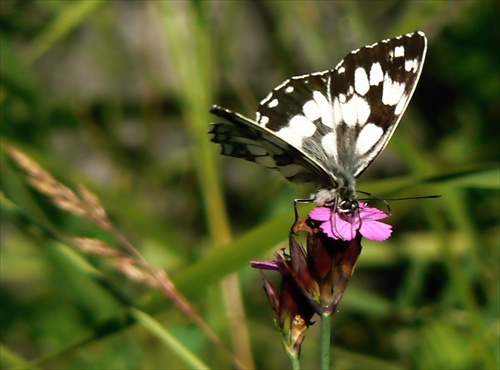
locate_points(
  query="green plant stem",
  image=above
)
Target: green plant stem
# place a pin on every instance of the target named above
(326, 321)
(294, 358)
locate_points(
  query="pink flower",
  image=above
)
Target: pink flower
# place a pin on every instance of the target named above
(341, 226)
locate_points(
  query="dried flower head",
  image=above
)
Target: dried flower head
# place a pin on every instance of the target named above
(293, 308)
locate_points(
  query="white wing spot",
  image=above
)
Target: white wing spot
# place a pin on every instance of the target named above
(289, 89)
(368, 137)
(349, 112)
(302, 126)
(341, 69)
(298, 128)
(361, 84)
(311, 110)
(263, 120)
(337, 113)
(376, 74)
(411, 65)
(273, 103)
(392, 91)
(325, 108)
(355, 111)
(363, 110)
(399, 51)
(328, 142)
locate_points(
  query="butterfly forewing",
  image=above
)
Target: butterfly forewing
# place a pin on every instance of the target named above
(327, 127)
(343, 118)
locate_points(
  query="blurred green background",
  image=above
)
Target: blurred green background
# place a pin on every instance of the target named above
(116, 94)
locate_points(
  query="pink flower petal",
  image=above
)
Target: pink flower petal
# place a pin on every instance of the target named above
(321, 213)
(345, 229)
(265, 265)
(375, 230)
(370, 213)
(339, 226)
(329, 230)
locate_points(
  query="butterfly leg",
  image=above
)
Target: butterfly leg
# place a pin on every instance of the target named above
(296, 212)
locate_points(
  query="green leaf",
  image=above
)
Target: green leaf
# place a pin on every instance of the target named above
(72, 15)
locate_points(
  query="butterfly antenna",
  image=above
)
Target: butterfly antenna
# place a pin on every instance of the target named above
(373, 196)
(432, 196)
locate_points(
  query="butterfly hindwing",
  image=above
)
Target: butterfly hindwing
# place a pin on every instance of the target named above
(244, 138)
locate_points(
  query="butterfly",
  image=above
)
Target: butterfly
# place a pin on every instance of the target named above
(327, 127)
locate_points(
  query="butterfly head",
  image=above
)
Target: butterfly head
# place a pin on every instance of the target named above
(348, 206)
(342, 199)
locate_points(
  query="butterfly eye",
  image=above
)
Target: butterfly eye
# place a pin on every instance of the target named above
(348, 206)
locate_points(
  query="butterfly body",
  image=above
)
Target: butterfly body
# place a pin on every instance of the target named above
(327, 127)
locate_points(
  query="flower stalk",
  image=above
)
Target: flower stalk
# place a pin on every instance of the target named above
(326, 327)
(314, 279)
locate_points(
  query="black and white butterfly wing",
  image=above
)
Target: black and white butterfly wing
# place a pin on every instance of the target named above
(343, 118)
(246, 139)
(327, 127)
